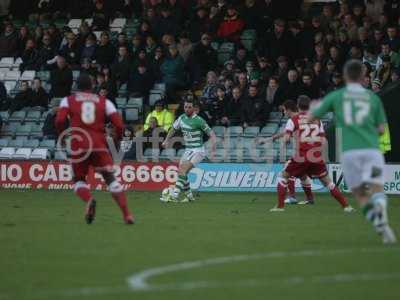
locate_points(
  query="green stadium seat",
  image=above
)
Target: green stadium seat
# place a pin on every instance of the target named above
(48, 144)
(153, 98)
(7, 152)
(225, 52)
(23, 130)
(36, 131)
(234, 131)
(31, 144)
(40, 153)
(151, 154)
(121, 102)
(17, 116)
(131, 115)
(275, 116)
(60, 155)
(75, 75)
(248, 39)
(269, 130)
(9, 129)
(4, 142)
(4, 115)
(219, 130)
(251, 131)
(43, 75)
(135, 103)
(17, 143)
(33, 116)
(22, 153)
(168, 154)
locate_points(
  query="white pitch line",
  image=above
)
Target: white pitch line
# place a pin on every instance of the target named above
(139, 281)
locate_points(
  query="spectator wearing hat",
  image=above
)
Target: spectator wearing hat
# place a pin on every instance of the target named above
(232, 25)
(384, 71)
(140, 82)
(173, 72)
(204, 58)
(61, 79)
(376, 85)
(163, 116)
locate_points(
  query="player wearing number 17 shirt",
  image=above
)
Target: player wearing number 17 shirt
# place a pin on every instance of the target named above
(88, 114)
(308, 159)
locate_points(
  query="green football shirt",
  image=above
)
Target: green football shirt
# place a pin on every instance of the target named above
(358, 114)
(193, 129)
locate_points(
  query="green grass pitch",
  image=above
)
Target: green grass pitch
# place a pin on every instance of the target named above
(224, 246)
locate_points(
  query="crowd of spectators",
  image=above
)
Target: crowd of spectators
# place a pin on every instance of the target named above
(295, 51)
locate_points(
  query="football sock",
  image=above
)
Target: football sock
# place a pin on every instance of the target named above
(282, 186)
(179, 186)
(306, 185)
(119, 196)
(82, 191)
(335, 192)
(291, 187)
(375, 211)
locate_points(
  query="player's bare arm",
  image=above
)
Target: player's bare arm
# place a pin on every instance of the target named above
(170, 134)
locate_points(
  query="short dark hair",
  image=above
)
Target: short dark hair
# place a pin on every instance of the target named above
(84, 82)
(290, 105)
(303, 102)
(353, 70)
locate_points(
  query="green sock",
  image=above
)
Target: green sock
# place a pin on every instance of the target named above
(180, 183)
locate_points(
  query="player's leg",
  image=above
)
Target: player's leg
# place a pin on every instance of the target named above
(306, 185)
(197, 157)
(336, 193)
(182, 183)
(291, 198)
(282, 186)
(363, 172)
(82, 189)
(118, 194)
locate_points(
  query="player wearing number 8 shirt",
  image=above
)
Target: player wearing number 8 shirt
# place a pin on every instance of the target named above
(88, 114)
(360, 117)
(308, 160)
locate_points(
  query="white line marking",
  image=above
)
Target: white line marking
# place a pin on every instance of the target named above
(139, 281)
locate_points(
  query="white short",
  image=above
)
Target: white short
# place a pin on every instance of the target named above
(363, 166)
(194, 156)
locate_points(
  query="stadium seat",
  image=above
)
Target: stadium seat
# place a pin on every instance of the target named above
(6, 62)
(275, 116)
(17, 116)
(168, 154)
(17, 143)
(75, 75)
(225, 52)
(234, 131)
(39, 153)
(12, 76)
(60, 155)
(3, 73)
(152, 154)
(159, 86)
(31, 144)
(9, 129)
(74, 23)
(131, 115)
(269, 130)
(7, 152)
(28, 75)
(180, 152)
(153, 98)
(23, 130)
(123, 90)
(48, 144)
(251, 131)
(3, 142)
(4, 115)
(17, 62)
(233, 143)
(10, 86)
(36, 131)
(121, 102)
(219, 131)
(33, 116)
(97, 34)
(22, 153)
(43, 75)
(118, 23)
(248, 39)
(135, 103)
(54, 102)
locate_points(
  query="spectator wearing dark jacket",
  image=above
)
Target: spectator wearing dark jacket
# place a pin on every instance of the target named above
(200, 23)
(71, 51)
(217, 108)
(61, 79)
(254, 110)
(204, 58)
(23, 98)
(309, 87)
(140, 82)
(232, 111)
(30, 56)
(291, 86)
(121, 68)
(89, 48)
(3, 97)
(8, 42)
(166, 24)
(39, 95)
(274, 95)
(105, 51)
(46, 53)
(101, 17)
(277, 43)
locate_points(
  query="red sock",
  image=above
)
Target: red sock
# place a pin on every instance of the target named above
(291, 187)
(307, 190)
(335, 192)
(282, 186)
(82, 191)
(120, 198)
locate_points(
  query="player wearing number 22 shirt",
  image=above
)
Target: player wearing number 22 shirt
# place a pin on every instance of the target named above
(308, 159)
(88, 114)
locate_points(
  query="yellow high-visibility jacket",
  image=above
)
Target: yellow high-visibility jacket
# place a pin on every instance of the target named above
(164, 118)
(384, 141)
